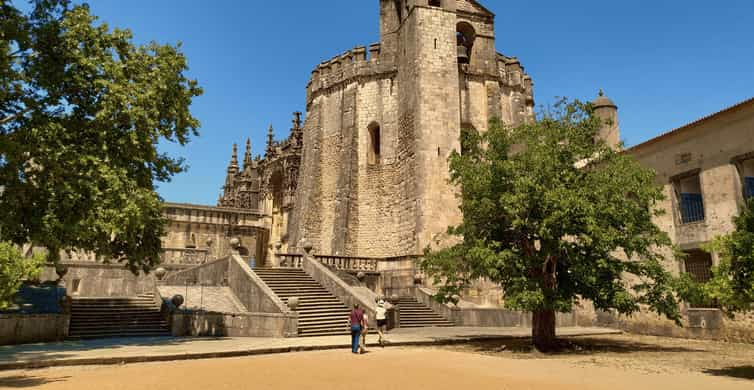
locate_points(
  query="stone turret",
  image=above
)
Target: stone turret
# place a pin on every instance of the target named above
(607, 111)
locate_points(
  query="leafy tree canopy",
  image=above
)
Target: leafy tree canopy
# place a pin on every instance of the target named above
(732, 284)
(14, 268)
(82, 109)
(554, 216)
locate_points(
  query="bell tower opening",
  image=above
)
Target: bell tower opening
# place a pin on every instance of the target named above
(465, 36)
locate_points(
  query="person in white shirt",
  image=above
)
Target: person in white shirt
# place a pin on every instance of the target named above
(364, 331)
(381, 316)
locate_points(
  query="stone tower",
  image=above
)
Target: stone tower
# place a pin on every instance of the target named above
(382, 121)
(607, 111)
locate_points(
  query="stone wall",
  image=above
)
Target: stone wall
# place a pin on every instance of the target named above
(708, 324)
(33, 328)
(466, 315)
(201, 324)
(214, 273)
(210, 229)
(102, 280)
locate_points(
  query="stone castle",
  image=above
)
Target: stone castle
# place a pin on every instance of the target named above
(339, 212)
(367, 173)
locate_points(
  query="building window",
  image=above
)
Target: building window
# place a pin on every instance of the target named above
(698, 265)
(375, 141)
(688, 191)
(192, 242)
(435, 3)
(746, 169)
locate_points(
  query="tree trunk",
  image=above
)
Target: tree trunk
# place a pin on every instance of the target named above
(543, 330)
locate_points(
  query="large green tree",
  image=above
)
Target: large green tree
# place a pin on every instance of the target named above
(554, 216)
(732, 283)
(82, 110)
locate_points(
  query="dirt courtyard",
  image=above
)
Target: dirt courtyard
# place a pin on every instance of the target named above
(607, 362)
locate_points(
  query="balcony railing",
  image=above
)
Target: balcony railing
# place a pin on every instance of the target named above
(343, 263)
(692, 208)
(289, 260)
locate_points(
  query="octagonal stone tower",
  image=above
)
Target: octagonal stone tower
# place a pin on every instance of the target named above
(382, 121)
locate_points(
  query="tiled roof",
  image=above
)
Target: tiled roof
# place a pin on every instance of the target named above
(692, 124)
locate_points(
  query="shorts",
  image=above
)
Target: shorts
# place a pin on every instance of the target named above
(381, 323)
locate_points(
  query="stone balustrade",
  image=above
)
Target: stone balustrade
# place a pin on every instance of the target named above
(184, 256)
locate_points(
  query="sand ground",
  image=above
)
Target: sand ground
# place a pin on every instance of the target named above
(609, 362)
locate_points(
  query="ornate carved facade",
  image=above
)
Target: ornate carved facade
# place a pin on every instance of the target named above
(267, 184)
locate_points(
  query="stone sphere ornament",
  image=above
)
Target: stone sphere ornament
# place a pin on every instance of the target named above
(235, 243)
(177, 300)
(293, 303)
(160, 273)
(361, 276)
(61, 270)
(308, 247)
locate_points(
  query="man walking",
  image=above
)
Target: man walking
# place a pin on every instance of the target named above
(357, 320)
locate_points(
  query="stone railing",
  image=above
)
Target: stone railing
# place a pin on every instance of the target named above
(184, 256)
(354, 264)
(286, 260)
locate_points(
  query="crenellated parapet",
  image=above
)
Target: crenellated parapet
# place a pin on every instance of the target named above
(357, 64)
(513, 75)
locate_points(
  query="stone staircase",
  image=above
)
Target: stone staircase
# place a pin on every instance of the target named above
(117, 317)
(320, 313)
(417, 315)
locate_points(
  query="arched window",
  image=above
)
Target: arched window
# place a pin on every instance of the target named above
(375, 141)
(465, 36)
(192, 242)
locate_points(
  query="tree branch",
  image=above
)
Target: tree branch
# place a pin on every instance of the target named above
(13, 117)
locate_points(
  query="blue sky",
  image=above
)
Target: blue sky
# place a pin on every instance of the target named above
(664, 62)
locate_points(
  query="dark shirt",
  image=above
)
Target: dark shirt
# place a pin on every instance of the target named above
(357, 316)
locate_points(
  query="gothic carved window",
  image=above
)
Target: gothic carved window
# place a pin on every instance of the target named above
(375, 144)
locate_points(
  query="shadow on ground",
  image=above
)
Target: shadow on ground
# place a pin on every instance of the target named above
(740, 372)
(575, 346)
(24, 381)
(65, 349)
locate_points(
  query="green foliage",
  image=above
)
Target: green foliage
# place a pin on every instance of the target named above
(82, 110)
(732, 283)
(553, 216)
(14, 268)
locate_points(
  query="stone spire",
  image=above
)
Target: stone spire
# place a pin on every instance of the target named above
(227, 198)
(270, 140)
(297, 120)
(234, 160)
(247, 157)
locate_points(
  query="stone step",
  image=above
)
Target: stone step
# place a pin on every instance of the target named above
(335, 321)
(119, 334)
(320, 312)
